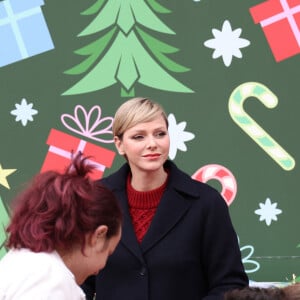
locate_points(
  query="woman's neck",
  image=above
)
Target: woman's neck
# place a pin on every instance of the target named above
(71, 259)
(148, 181)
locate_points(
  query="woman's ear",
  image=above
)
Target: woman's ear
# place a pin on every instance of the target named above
(119, 145)
(98, 238)
(96, 241)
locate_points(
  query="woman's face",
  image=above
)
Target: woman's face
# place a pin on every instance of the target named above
(145, 145)
(107, 250)
(97, 250)
(102, 249)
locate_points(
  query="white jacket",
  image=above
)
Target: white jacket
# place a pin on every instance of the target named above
(25, 275)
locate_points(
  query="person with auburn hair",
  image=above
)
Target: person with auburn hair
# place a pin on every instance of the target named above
(62, 230)
(257, 293)
(178, 241)
(292, 291)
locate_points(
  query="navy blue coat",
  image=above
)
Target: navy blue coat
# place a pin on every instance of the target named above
(189, 252)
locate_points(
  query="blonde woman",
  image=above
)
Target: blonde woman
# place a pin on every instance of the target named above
(177, 241)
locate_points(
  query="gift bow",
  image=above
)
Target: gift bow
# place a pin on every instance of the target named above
(85, 128)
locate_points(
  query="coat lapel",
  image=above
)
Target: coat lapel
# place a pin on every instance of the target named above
(169, 212)
(117, 183)
(128, 238)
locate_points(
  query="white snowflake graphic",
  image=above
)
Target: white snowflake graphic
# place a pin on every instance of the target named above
(227, 43)
(268, 211)
(178, 136)
(24, 112)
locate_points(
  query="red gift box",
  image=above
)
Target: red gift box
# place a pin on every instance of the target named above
(60, 152)
(280, 20)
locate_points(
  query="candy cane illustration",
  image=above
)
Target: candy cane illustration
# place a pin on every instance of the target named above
(223, 175)
(252, 129)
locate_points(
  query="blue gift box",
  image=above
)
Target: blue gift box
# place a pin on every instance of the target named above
(23, 30)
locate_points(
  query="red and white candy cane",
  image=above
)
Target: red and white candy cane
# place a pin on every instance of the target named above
(223, 175)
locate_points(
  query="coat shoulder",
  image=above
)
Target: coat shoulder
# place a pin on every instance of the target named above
(181, 181)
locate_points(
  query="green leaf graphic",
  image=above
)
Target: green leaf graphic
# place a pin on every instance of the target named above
(158, 7)
(94, 8)
(95, 50)
(4, 219)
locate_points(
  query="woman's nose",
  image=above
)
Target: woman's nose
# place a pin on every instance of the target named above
(151, 143)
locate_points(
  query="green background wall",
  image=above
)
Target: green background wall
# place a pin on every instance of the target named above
(193, 85)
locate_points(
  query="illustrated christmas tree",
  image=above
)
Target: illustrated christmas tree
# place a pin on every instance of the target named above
(126, 52)
(4, 219)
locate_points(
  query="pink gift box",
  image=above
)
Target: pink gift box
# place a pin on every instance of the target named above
(60, 150)
(280, 21)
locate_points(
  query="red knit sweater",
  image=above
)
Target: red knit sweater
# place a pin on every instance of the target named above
(142, 207)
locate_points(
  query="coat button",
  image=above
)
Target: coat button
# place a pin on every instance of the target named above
(143, 271)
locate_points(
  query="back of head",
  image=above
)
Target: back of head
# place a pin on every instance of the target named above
(58, 210)
(255, 293)
(292, 291)
(135, 111)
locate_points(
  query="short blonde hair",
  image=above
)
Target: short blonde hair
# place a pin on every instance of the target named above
(135, 111)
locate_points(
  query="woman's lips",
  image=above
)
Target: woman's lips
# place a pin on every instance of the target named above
(152, 155)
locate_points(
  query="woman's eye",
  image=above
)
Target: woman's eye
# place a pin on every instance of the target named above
(161, 134)
(138, 137)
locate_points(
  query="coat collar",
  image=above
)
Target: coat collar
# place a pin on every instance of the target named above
(171, 209)
(178, 180)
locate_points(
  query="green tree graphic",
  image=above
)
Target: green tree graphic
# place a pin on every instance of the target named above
(126, 53)
(4, 219)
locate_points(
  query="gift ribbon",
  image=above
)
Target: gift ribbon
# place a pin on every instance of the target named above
(88, 130)
(12, 19)
(80, 148)
(287, 13)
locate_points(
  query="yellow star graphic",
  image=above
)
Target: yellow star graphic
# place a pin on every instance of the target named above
(3, 174)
